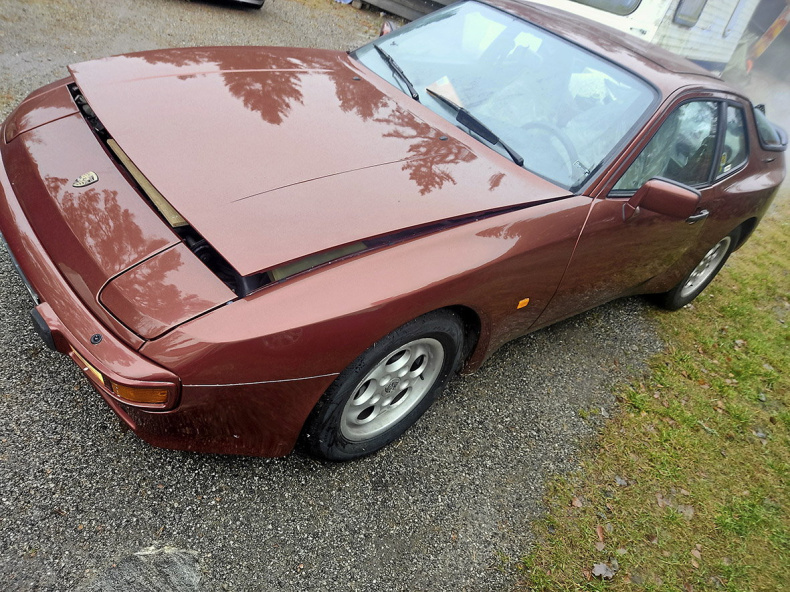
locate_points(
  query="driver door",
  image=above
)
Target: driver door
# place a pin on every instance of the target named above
(616, 255)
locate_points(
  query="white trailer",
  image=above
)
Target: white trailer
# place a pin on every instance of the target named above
(705, 31)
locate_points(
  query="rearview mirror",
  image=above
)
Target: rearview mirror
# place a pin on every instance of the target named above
(663, 196)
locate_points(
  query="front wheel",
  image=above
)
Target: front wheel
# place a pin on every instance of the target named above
(386, 389)
(695, 282)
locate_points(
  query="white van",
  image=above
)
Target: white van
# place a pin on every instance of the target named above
(705, 31)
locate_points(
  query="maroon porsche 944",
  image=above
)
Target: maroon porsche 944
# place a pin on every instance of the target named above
(250, 249)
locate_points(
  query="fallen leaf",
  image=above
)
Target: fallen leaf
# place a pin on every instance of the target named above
(599, 532)
(696, 553)
(695, 563)
(620, 481)
(603, 571)
(600, 545)
(621, 551)
(576, 502)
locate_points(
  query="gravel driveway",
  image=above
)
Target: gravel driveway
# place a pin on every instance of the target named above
(87, 506)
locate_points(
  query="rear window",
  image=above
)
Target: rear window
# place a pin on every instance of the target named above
(621, 7)
(769, 134)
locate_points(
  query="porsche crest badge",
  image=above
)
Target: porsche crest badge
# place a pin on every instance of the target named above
(87, 179)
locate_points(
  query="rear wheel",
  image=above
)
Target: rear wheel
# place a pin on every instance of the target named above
(384, 391)
(697, 280)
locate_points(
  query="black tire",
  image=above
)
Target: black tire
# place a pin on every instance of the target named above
(386, 389)
(703, 273)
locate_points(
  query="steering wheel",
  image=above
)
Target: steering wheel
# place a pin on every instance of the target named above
(560, 135)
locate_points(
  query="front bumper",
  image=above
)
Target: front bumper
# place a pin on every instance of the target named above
(62, 319)
(261, 419)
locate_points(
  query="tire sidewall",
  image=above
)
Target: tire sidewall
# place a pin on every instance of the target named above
(322, 435)
(674, 300)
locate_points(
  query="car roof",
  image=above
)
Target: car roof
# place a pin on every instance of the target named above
(666, 70)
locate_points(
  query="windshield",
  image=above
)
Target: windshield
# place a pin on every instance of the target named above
(561, 108)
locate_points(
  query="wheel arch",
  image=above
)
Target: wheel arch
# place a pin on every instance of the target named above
(473, 326)
(746, 229)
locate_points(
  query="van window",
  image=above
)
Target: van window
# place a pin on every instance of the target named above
(688, 12)
(621, 7)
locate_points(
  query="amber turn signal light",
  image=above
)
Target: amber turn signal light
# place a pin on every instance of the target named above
(140, 394)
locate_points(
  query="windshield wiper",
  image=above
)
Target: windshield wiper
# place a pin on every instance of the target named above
(478, 127)
(396, 68)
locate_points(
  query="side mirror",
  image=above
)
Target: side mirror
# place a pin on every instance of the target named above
(663, 197)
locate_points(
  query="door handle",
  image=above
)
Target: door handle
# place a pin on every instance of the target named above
(694, 218)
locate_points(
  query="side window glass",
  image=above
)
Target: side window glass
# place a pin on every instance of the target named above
(681, 150)
(734, 152)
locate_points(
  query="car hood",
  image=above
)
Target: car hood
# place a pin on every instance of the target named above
(275, 154)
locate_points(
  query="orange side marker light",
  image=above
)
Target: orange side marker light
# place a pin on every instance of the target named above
(523, 303)
(140, 394)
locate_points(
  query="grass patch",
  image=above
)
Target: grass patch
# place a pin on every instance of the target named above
(689, 485)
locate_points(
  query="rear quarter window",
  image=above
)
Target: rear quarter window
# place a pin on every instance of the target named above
(770, 136)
